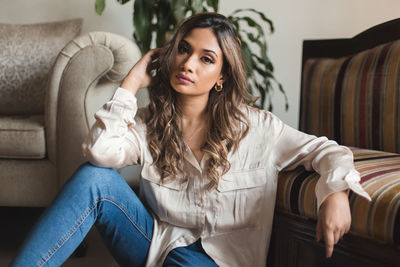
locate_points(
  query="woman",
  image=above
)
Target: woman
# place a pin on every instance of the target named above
(209, 165)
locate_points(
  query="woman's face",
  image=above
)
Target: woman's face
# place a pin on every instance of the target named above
(198, 64)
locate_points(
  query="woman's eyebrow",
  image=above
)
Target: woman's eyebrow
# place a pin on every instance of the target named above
(205, 50)
(210, 51)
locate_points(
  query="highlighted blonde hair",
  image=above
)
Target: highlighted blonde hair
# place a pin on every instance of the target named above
(228, 124)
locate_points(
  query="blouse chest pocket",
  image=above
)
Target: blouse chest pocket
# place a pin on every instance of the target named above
(240, 197)
(164, 197)
(152, 174)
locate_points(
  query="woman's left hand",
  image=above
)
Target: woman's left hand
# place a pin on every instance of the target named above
(139, 76)
(334, 220)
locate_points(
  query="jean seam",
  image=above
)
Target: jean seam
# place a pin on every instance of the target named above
(133, 222)
(68, 235)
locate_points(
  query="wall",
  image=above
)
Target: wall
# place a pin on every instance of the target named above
(294, 21)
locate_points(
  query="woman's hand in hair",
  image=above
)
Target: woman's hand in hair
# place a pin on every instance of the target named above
(140, 75)
(334, 220)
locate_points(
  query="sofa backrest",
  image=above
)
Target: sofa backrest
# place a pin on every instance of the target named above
(351, 88)
(27, 53)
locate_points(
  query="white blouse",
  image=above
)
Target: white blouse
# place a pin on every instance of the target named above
(234, 221)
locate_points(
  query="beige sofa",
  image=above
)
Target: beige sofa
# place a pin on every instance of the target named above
(47, 102)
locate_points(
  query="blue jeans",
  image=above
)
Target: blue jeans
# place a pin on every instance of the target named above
(101, 197)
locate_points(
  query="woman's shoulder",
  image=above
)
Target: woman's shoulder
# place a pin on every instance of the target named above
(258, 117)
(262, 123)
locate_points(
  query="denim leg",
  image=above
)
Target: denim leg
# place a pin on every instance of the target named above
(192, 255)
(97, 196)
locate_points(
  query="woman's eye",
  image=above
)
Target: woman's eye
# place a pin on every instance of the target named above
(208, 60)
(182, 49)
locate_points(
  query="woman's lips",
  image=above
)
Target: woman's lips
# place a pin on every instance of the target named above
(184, 79)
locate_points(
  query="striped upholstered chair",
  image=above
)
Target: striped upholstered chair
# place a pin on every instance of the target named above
(350, 92)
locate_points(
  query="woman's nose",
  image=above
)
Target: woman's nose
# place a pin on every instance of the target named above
(189, 63)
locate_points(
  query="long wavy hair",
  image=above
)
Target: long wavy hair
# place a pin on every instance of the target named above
(228, 124)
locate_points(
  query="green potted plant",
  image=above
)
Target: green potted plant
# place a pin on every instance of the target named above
(155, 21)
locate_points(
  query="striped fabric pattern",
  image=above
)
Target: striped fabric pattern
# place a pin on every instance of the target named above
(354, 100)
(380, 177)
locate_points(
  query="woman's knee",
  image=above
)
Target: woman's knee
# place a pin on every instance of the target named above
(89, 174)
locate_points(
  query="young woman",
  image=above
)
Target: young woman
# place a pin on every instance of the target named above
(209, 165)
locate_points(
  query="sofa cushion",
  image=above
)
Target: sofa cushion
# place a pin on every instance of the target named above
(27, 53)
(380, 177)
(22, 137)
(354, 100)
(27, 183)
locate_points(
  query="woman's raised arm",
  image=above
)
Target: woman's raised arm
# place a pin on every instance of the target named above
(116, 139)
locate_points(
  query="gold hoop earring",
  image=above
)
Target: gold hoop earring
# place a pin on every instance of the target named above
(218, 87)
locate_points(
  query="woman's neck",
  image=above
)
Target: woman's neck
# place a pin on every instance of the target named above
(193, 109)
(194, 123)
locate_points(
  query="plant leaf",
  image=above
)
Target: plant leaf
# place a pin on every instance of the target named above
(259, 68)
(253, 24)
(179, 9)
(260, 42)
(284, 94)
(263, 17)
(214, 4)
(262, 92)
(122, 2)
(165, 19)
(143, 11)
(250, 88)
(197, 6)
(99, 6)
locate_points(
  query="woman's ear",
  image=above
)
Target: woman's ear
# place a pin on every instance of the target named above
(221, 79)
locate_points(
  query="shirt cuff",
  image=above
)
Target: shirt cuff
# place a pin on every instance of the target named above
(122, 107)
(125, 96)
(350, 180)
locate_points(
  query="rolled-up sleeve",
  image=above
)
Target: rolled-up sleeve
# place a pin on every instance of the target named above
(333, 162)
(114, 141)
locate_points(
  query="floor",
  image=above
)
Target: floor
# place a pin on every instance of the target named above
(15, 224)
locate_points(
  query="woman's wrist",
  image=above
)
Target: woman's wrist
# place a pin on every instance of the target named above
(130, 84)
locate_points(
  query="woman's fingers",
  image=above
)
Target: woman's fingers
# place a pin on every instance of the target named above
(331, 237)
(155, 53)
(154, 60)
(140, 75)
(329, 242)
(334, 220)
(347, 228)
(319, 231)
(337, 235)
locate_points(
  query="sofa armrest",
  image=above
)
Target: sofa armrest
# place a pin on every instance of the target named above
(378, 219)
(85, 75)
